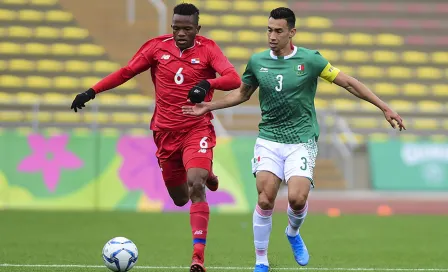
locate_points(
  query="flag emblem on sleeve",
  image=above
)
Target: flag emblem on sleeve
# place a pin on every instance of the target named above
(300, 69)
(195, 61)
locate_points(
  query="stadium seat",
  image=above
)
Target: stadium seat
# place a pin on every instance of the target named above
(370, 72)
(399, 72)
(66, 82)
(248, 36)
(97, 117)
(46, 65)
(414, 57)
(326, 88)
(320, 103)
(89, 81)
(125, 118)
(41, 116)
(270, 5)
(45, 32)
(389, 40)
(58, 16)
(220, 35)
(355, 56)
(440, 90)
(36, 49)
(6, 98)
(430, 106)
(216, 5)
(317, 22)
(91, 50)
(346, 69)
(11, 116)
(3, 32)
(44, 2)
(7, 15)
(63, 49)
(20, 32)
(30, 15)
(8, 48)
(209, 20)
(330, 55)
(75, 33)
(110, 99)
(332, 38)
(245, 5)
(260, 49)
(21, 65)
(429, 73)
(55, 98)
(233, 20)
(77, 66)
(38, 82)
(368, 107)
(66, 117)
(27, 98)
(388, 89)
(9, 81)
(378, 137)
(140, 100)
(103, 66)
(409, 137)
(3, 65)
(344, 104)
(425, 124)
(259, 21)
(129, 85)
(402, 105)
(305, 38)
(385, 56)
(239, 53)
(15, 2)
(360, 122)
(360, 39)
(438, 137)
(445, 125)
(440, 57)
(414, 89)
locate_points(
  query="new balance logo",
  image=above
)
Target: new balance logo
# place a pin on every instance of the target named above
(198, 232)
(264, 70)
(165, 57)
(202, 150)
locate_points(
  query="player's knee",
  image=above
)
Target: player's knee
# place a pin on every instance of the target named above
(181, 201)
(298, 202)
(266, 201)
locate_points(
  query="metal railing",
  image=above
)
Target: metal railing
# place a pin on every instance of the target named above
(161, 11)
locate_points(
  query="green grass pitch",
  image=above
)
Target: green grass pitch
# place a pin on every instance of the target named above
(345, 243)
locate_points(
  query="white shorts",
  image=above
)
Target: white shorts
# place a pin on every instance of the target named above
(285, 160)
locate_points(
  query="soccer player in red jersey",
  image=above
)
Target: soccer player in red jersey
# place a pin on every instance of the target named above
(183, 65)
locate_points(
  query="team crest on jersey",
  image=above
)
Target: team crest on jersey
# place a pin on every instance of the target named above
(301, 69)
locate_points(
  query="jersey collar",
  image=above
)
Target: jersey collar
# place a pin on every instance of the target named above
(285, 57)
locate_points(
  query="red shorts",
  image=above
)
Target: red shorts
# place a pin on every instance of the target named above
(179, 151)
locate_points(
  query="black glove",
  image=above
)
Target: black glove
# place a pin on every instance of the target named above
(82, 98)
(197, 93)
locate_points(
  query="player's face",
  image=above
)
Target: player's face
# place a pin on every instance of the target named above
(184, 30)
(279, 34)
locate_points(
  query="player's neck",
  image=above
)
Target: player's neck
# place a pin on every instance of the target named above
(283, 52)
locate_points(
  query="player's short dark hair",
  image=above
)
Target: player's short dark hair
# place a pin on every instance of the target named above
(187, 9)
(284, 13)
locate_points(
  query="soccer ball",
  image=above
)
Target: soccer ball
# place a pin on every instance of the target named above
(120, 254)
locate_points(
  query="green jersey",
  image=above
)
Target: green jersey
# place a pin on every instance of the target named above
(287, 87)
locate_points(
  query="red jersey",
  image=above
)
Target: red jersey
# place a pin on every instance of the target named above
(174, 72)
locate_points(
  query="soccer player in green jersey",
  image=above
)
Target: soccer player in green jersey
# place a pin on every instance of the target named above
(286, 149)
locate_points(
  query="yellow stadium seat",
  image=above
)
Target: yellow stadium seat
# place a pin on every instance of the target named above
(399, 72)
(360, 39)
(129, 85)
(333, 38)
(385, 56)
(306, 38)
(77, 66)
(240, 53)
(438, 137)
(74, 33)
(63, 49)
(44, 2)
(440, 57)
(125, 118)
(346, 69)
(55, 98)
(370, 72)
(233, 20)
(317, 22)
(20, 31)
(440, 89)
(208, 20)
(15, 2)
(11, 116)
(429, 73)
(88, 82)
(245, 5)
(409, 137)
(98, 117)
(414, 57)
(36, 49)
(326, 88)
(330, 55)
(260, 49)
(105, 66)
(140, 100)
(401, 105)
(49, 65)
(355, 56)
(425, 124)
(445, 124)
(259, 21)
(6, 98)
(217, 5)
(30, 15)
(3, 65)
(66, 117)
(38, 82)
(21, 65)
(386, 89)
(344, 104)
(379, 137)
(11, 81)
(66, 82)
(45, 32)
(91, 50)
(414, 89)
(270, 5)
(58, 16)
(320, 103)
(367, 122)
(7, 15)
(3, 32)
(389, 40)
(248, 36)
(220, 35)
(41, 116)
(9, 48)
(429, 106)
(27, 98)
(366, 106)
(146, 117)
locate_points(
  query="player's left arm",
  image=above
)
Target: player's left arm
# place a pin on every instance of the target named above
(229, 78)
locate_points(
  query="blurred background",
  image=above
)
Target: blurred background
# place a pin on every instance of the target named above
(103, 158)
